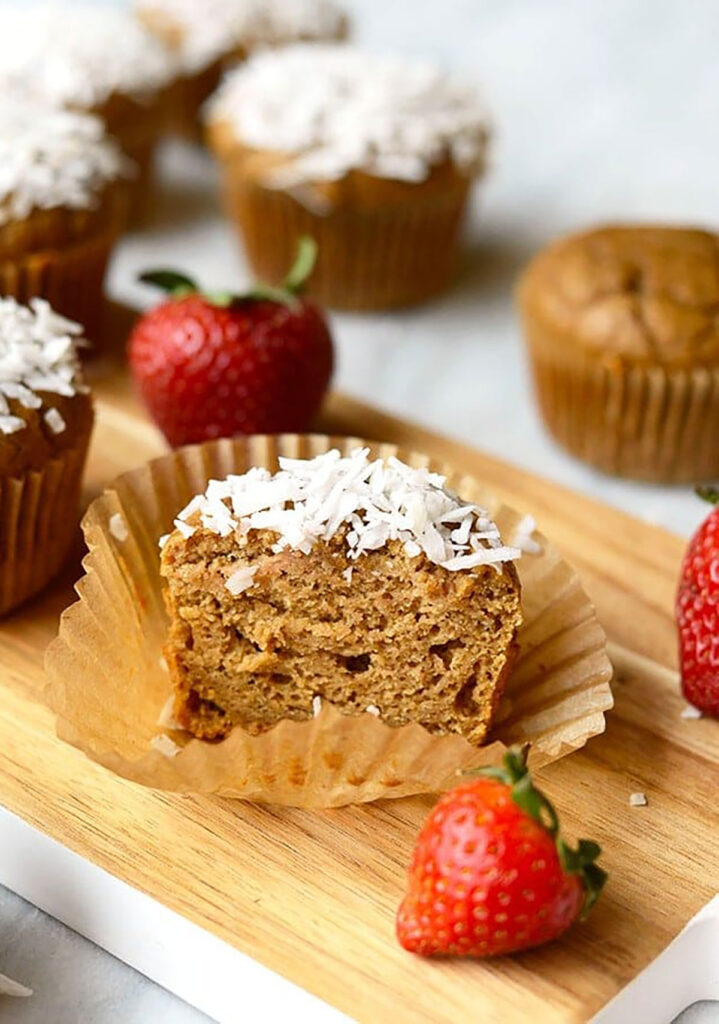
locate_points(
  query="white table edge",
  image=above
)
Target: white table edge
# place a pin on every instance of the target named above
(208, 973)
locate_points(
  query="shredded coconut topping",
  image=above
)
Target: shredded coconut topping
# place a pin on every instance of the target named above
(214, 27)
(38, 354)
(316, 706)
(638, 800)
(309, 500)
(79, 54)
(51, 157)
(337, 109)
(372, 709)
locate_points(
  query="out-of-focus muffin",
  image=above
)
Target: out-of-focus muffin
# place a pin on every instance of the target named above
(45, 424)
(623, 340)
(63, 202)
(373, 157)
(207, 37)
(96, 59)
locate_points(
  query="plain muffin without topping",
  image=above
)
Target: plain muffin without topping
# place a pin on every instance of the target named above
(622, 331)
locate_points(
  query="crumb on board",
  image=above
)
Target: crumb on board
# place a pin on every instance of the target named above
(690, 712)
(638, 800)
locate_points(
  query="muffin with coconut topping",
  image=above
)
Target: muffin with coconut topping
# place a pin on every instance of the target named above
(82, 57)
(63, 202)
(207, 37)
(45, 424)
(362, 583)
(372, 156)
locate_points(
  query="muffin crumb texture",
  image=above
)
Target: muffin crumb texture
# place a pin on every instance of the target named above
(422, 630)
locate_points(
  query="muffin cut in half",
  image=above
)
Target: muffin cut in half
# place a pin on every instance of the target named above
(362, 583)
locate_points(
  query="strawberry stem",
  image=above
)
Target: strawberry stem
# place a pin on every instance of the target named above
(580, 861)
(179, 285)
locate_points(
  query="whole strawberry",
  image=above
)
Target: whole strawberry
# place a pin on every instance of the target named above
(698, 613)
(216, 365)
(490, 874)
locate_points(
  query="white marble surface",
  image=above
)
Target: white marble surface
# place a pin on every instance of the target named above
(602, 111)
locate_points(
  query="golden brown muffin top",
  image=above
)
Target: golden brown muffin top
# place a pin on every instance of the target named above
(44, 406)
(643, 294)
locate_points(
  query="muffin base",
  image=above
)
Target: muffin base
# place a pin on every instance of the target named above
(71, 279)
(39, 513)
(370, 256)
(655, 424)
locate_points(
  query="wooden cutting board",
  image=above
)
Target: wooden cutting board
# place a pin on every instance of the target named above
(313, 895)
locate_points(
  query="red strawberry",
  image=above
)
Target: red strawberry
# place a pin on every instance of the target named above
(217, 365)
(490, 874)
(698, 613)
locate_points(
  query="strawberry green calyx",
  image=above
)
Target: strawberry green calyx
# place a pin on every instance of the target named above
(171, 281)
(576, 861)
(179, 286)
(708, 493)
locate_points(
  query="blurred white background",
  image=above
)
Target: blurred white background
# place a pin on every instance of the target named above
(602, 111)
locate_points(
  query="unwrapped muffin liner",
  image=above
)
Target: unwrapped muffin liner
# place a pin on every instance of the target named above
(649, 423)
(39, 513)
(394, 255)
(109, 685)
(70, 278)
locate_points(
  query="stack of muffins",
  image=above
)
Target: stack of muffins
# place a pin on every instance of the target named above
(87, 93)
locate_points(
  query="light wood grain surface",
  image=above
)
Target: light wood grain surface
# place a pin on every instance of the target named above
(313, 895)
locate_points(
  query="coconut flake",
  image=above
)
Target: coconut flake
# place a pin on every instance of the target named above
(53, 158)
(690, 712)
(316, 705)
(391, 117)
(38, 354)
(347, 573)
(79, 54)
(241, 579)
(372, 709)
(638, 800)
(212, 28)
(165, 746)
(523, 538)
(118, 527)
(381, 501)
(166, 718)
(54, 420)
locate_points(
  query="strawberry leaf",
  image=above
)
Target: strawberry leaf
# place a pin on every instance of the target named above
(170, 281)
(580, 861)
(709, 493)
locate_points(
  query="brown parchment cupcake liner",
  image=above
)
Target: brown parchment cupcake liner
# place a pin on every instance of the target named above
(108, 683)
(70, 278)
(369, 258)
(649, 423)
(39, 514)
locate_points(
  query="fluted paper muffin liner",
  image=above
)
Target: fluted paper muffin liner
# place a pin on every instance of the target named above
(370, 258)
(649, 423)
(70, 278)
(108, 683)
(39, 513)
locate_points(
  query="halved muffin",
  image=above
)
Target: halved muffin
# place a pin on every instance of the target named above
(362, 583)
